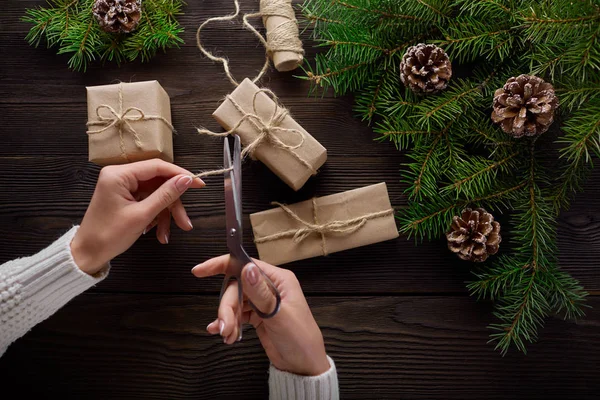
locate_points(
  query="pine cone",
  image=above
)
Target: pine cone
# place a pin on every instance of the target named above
(425, 68)
(474, 235)
(525, 106)
(118, 15)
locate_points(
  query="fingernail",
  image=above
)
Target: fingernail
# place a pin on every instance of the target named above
(209, 326)
(166, 238)
(252, 274)
(225, 340)
(201, 181)
(190, 224)
(143, 233)
(221, 327)
(183, 183)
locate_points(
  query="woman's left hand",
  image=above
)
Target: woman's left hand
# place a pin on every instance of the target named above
(128, 201)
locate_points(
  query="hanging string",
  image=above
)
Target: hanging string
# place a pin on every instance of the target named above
(223, 60)
(213, 172)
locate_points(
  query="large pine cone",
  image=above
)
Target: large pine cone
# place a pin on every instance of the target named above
(425, 68)
(118, 15)
(525, 106)
(474, 235)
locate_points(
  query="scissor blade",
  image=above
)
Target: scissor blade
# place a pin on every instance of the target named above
(232, 221)
(237, 173)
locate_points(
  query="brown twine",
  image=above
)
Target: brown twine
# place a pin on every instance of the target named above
(285, 37)
(344, 227)
(213, 172)
(267, 129)
(122, 119)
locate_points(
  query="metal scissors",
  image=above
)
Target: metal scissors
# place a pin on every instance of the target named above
(238, 258)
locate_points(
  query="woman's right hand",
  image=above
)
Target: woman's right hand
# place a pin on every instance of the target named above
(292, 339)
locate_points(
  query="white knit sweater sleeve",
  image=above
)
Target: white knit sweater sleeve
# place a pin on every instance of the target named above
(287, 386)
(33, 288)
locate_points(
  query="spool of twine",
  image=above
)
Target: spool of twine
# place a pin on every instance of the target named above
(283, 45)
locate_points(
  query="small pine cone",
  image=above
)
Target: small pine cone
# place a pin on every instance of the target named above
(425, 68)
(116, 16)
(474, 235)
(525, 106)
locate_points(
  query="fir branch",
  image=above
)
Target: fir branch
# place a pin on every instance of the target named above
(457, 157)
(376, 11)
(581, 141)
(426, 221)
(481, 174)
(70, 26)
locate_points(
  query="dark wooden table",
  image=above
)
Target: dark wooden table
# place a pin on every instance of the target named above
(396, 317)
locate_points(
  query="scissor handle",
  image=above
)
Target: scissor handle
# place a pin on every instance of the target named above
(260, 313)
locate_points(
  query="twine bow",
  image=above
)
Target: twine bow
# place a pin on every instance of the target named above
(267, 129)
(121, 120)
(343, 227)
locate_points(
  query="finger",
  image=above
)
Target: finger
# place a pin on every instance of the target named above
(213, 327)
(163, 231)
(167, 194)
(258, 289)
(150, 226)
(227, 309)
(218, 266)
(234, 336)
(180, 216)
(146, 170)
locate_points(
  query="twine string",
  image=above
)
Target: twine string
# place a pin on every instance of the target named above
(285, 37)
(343, 227)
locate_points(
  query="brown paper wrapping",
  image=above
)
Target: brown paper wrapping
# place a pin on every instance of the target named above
(283, 60)
(338, 207)
(280, 161)
(156, 136)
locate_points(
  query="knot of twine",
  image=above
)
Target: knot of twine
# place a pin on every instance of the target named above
(343, 227)
(121, 120)
(285, 37)
(267, 129)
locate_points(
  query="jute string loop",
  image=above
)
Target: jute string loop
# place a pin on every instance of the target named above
(267, 129)
(343, 227)
(223, 60)
(283, 38)
(121, 120)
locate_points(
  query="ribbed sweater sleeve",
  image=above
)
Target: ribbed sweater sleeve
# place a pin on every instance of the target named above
(287, 386)
(33, 288)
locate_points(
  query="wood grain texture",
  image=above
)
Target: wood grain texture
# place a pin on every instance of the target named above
(395, 316)
(425, 347)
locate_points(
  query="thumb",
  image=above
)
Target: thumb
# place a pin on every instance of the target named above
(257, 289)
(167, 194)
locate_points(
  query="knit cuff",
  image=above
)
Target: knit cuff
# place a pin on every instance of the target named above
(287, 386)
(34, 288)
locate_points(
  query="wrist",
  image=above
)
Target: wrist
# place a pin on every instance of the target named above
(319, 366)
(85, 255)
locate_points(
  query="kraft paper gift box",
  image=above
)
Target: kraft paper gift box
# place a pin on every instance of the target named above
(129, 122)
(294, 167)
(324, 225)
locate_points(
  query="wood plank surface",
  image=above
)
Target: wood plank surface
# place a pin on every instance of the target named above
(389, 347)
(395, 316)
